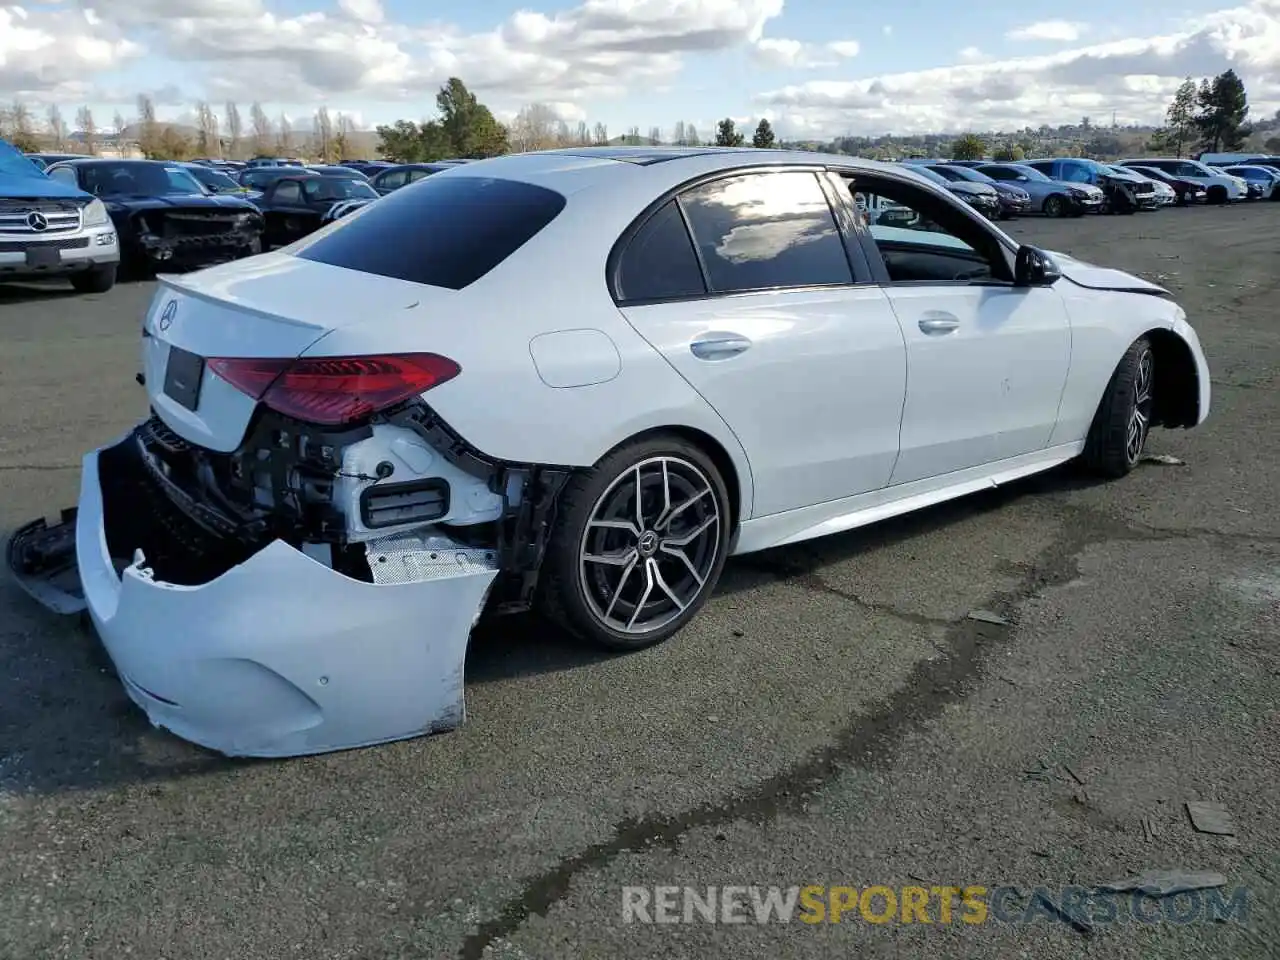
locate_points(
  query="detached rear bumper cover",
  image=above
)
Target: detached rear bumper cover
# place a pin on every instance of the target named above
(281, 655)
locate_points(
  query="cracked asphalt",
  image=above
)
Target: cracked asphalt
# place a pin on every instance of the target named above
(835, 717)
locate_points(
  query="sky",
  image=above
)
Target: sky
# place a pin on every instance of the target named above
(814, 68)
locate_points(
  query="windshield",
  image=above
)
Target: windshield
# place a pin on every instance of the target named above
(15, 164)
(968, 173)
(138, 179)
(1031, 173)
(338, 188)
(928, 174)
(213, 178)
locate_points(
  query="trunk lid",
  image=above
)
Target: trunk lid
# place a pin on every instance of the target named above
(274, 305)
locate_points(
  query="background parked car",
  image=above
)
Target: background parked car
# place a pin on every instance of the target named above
(297, 204)
(980, 196)
(52, 229)
(393, 178)
(1219, 187)
(336, 170)
(1013, 199)
(218, 182)
(162, 214)
(369, 168)
(1186, 191)
(1122, 193)
(1053, 198)
(1267, 179)
(43, 160)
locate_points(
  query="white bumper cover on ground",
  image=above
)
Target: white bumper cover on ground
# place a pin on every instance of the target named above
(281, 655)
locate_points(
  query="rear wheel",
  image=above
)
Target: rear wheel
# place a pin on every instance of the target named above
(639, 544)
(1119, 431)
(1218, 194)
(1055, 206)
(95, 279)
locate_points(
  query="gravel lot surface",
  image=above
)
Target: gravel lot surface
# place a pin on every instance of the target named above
(835, 717)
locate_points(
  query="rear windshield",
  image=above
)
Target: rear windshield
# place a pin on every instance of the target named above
(443, 231)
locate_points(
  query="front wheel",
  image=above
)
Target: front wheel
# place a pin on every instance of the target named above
(1055, 206)
(639, 544)
(95, 279)
(1119, 430)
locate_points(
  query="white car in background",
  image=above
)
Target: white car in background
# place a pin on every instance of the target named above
(1219, 187)
(577, 380)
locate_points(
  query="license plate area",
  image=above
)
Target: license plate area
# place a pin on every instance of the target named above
(182, 376)
(43, 255)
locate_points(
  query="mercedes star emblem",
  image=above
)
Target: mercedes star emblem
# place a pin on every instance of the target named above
(166, 318)
(37, 221)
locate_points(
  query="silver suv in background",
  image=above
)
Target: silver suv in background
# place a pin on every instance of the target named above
(48, 229)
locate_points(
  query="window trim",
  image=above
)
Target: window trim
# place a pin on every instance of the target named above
(613, 263)
(880, 274)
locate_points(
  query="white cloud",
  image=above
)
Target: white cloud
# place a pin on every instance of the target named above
(56, 52)
(796, 55)
(1135, 78)
(972, 55)
(887, 30)
(366, 11)
(1061, 31)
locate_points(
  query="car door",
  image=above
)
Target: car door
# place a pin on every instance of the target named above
(291, 217)
(987, 360)
(744, 283)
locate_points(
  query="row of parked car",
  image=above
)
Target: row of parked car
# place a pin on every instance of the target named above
(1062, 187)
(89, 218)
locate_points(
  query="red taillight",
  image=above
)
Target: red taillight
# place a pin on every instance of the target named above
(335, 390)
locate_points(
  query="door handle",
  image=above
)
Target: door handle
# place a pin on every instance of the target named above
(719, 346)
(936, 323)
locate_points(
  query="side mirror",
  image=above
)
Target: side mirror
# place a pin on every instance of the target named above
(1034, 268)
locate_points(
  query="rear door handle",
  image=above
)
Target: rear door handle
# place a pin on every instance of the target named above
(937, 323)
(719, 346)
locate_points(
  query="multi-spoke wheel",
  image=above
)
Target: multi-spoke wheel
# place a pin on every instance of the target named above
(639, 544)
(1119, 432)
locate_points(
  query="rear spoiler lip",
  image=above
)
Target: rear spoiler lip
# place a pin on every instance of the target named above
(173, 281)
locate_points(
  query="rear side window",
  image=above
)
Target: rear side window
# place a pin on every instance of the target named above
(764, 231)
(659, 263)
(443, 232)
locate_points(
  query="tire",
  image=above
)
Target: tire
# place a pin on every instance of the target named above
(1055, 206)
(95, 279)
(1120, 427)
(598, 601)
(1218, 195)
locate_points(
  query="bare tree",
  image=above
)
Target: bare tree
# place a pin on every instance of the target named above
(118, 124)
(342, 139)
(148, 128)
(564, 138)
(57, 127)
(284, 140)
(207, 144)
(678, 136)
(261, 125)
(655, 135)
(601, 134)
(324, 134)
(21, 120)
(235, 130)
(534, 128)
(691, 136)
(88, 130)
(582, 136)
(633, 137)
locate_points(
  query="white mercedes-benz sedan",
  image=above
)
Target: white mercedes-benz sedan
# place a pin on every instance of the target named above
(574, 380)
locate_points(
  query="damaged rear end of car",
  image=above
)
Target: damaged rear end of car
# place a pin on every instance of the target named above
(288, 554)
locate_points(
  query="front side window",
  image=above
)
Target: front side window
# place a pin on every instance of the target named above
(764, 231)
(288, 191)
(923, 239)
(389, 181)
(64, 175)
(1077, 173)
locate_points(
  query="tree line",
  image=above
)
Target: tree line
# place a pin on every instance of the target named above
(1211, 116)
